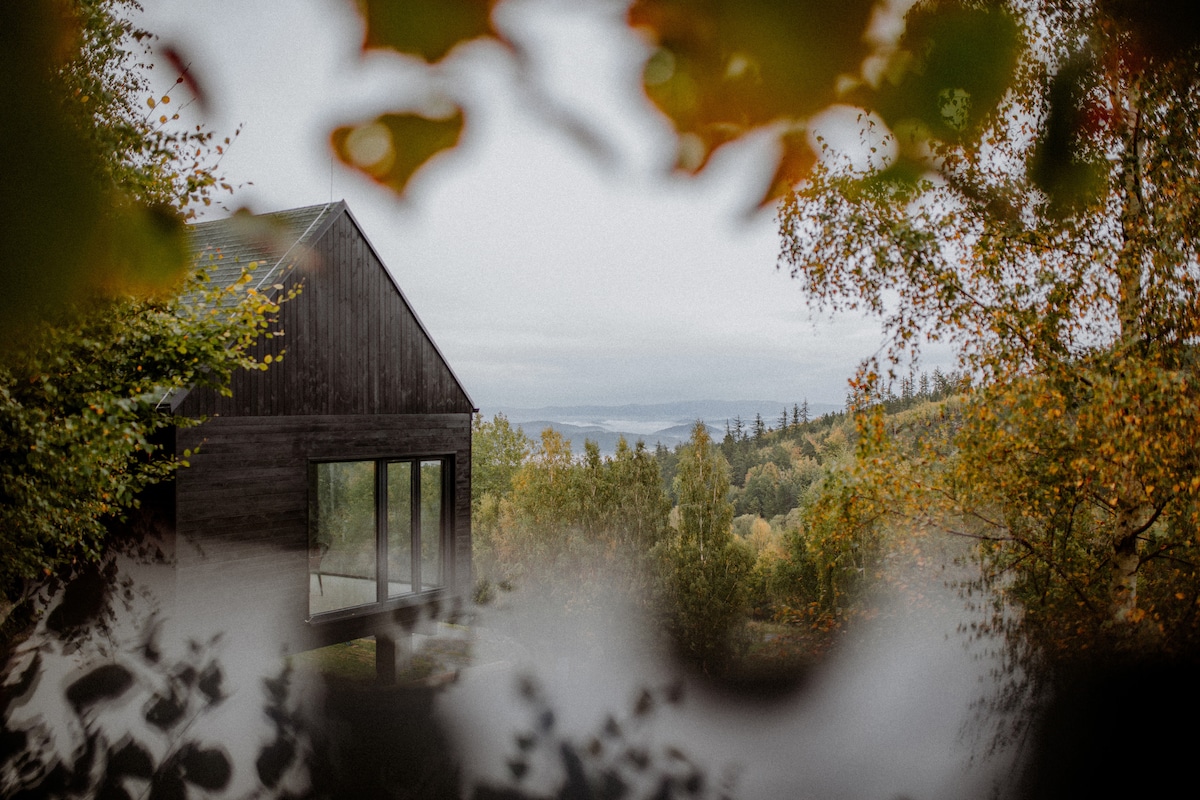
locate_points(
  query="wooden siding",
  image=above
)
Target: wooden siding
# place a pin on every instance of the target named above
(353, 346)
(360, 380)
(242, 512)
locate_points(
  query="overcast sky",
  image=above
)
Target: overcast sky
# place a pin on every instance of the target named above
(545, 274)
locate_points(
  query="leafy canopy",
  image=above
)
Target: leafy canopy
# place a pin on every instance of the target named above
(98, 179)
(1055, 248)
(82, 414)
(98, 331)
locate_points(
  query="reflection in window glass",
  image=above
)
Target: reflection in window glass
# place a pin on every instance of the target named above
(342, 538)
(431, 525)
(377, 531)
(399, 528)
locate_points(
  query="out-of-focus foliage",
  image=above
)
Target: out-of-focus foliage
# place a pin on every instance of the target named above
(394, 146)
(427, 28)
(391, 147)
(954, 64)
(97, 181)
(99, 327)
(620, 758)
(1056, 251)
(720, 69)
(80, 413)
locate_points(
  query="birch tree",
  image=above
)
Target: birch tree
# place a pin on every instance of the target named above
(1056, 250)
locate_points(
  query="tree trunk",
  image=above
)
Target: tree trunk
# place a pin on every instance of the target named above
(1123, 600)
(1126, 102)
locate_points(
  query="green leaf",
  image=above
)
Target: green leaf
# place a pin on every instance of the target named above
(392, 147)
(954, 67)
(426, 28)
(1056, 167)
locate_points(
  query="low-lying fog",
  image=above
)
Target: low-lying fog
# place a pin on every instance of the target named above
(553, 694)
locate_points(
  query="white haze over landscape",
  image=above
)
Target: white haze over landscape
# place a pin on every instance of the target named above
(895, 713)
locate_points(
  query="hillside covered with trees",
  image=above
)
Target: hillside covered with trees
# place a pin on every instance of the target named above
(724, 541)
(1025, 192)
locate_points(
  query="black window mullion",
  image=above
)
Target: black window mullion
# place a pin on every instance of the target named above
(445, 532)
(381, 532)
(415, 510)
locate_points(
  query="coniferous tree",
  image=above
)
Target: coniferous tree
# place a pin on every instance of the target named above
(703, 565)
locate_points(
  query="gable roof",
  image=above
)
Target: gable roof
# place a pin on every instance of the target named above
(279, 243)
(276, 241)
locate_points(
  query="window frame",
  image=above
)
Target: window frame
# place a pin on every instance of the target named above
(382, 601)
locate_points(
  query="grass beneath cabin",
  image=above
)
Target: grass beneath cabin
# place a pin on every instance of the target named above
(770, 652)
(435, 657)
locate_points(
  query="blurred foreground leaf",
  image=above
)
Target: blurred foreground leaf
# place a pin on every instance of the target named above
(392, 147)
(67, 233)
(725, 67)
(720, 69)
(953, 67)
(98, 179)
(426, 28)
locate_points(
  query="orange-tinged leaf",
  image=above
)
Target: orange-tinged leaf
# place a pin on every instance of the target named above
(725, 67)
(392, 147)
(794, 164)
(182, 65)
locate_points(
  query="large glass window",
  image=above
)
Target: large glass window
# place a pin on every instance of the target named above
(400, 528)
(376, 531)
(430, 524)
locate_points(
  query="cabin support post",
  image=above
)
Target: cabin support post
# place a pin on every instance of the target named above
(393, 654)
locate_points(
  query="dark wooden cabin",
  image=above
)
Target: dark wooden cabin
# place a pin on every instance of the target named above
(332, 491)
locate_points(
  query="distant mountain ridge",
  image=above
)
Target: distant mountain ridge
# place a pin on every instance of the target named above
(607, 439)
(667, 423)
(711, 411)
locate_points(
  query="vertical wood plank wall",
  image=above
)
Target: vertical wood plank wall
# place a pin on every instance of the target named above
(353, 346)
(242, 506)
(360, 379)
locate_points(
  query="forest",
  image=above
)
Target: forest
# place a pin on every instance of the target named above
(727, 543)
(1024, 192)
